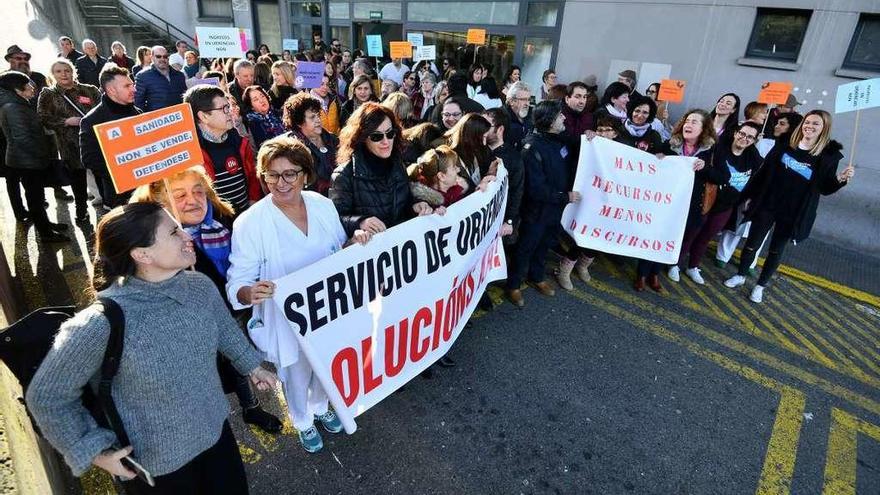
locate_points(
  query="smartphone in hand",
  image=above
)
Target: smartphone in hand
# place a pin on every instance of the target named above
(145, 476)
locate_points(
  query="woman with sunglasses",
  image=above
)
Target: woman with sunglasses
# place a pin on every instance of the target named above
(370, 186)
(287, 230)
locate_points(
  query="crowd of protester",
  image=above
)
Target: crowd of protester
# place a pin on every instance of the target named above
(291, 175)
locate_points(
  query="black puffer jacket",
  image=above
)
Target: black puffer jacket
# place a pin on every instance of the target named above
(823, 182)
(26, 144)
(366, 187)
(106, 111)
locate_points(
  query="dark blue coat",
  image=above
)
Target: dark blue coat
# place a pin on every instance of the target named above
(154, 91)
(545, 160)
(87, 72)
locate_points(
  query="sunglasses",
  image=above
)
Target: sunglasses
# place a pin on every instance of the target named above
(160, 56)
(377, 136)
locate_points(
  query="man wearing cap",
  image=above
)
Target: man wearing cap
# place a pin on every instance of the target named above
(65, 44)
(790, 104)
(628, 77)
(20, 60)
(89, 66)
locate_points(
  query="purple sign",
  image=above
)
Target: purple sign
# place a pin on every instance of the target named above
(311, 74)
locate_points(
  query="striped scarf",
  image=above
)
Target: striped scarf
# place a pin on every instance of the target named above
(214, 239)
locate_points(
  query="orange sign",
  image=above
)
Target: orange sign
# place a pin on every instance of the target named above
(774, 92)
(145, 148)
(401, 49)
(476, 36)
(671, 90)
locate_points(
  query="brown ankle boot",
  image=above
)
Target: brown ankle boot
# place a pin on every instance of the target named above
(639, 284)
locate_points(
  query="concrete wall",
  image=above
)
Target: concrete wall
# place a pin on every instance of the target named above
(702, 42)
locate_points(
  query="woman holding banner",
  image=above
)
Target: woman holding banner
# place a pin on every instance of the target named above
(693, 135)
(370, 186)
(786, 194)
(287, 230)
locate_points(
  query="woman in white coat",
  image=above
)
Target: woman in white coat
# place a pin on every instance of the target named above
(280, 234)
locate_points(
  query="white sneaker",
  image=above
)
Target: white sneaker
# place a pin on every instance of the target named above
(757, 294)
(735, 281)
(694, 274)
(674, 274)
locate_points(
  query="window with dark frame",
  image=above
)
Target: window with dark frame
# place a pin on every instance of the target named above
(778, 34)
(864, 48)
(215, 8)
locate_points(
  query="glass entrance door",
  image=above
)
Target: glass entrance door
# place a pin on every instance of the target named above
(388, 31)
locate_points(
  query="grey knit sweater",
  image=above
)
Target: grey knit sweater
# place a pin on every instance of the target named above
(167, 390)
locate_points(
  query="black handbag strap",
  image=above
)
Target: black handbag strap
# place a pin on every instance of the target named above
(110, 365)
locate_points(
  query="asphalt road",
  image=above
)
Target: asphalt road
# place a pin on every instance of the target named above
(600, 390)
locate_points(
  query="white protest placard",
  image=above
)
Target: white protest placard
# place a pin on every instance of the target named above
(633, 204)
(370, 318)
(219, 42)
(428, 52)
(857, 95)
(290, 44)
(415, 39)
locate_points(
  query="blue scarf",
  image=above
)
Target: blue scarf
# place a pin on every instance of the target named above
(213, 239)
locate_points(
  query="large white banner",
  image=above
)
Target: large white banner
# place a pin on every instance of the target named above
(633, 204)
(370, 318)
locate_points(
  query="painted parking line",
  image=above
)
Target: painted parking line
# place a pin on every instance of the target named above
(841, 462)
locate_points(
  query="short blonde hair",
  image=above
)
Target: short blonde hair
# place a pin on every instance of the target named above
(400, 104)
(63, 61)
(288, 70)
(155, 191)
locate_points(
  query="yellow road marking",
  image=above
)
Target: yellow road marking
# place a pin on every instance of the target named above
(248, 455)
(824, 283)
(872, 340)
(784, 312)
(799, 299)
(782, 448)
(766, 359)
(840, 463)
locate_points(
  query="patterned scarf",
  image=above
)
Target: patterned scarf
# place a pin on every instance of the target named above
(214, 239)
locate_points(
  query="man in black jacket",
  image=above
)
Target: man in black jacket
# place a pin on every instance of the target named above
(117, 103)
(547, 184)
(512, 162)
(518, 113)
(457, 86)
(65, 44)
(88, 67)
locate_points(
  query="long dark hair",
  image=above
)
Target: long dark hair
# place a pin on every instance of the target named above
(122, 229)
(732, 119)
(466, 139)
(365, 120)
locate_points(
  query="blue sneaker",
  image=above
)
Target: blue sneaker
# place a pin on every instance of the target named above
(330, 421)
(310, 440)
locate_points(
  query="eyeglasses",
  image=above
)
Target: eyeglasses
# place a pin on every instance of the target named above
(289, 176)
(377, 136)
(447, 115)
(600, 130)
(160, 56)
(225, 108)
(742, 135)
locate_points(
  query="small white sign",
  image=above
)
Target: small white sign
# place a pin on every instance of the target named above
(428, 52)
(219, 42)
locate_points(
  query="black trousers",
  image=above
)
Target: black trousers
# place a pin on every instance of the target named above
(535, 239)
(761, 224)
(13, 191)
(218, 470)
(108, 192)
(80, 190)
(646, 268)
(32, 180)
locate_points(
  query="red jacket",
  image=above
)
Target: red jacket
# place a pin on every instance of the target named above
(255, 190)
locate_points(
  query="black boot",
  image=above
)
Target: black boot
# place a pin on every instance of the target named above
(261, 419)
